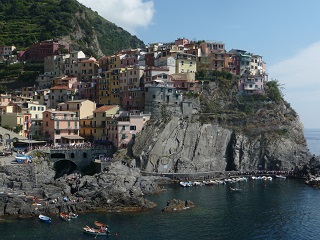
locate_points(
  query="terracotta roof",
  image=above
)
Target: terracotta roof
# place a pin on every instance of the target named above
(60, 87)
(104, 108)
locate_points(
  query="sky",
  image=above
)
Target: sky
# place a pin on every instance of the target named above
(285, 32)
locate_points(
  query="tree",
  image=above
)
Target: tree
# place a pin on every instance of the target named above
(273, 90)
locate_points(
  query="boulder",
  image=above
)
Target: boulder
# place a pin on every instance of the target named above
(177, 205)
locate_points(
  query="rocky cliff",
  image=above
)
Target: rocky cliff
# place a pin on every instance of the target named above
(226, 132)
(30, 189)
(184, 146)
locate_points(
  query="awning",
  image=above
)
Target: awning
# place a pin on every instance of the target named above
(72, 137)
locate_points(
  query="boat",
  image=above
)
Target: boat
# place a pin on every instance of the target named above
(73, 215)
(280, 176)
(23, 158)
(235, 189)
(64, 217)
(186, 184)
(94, 231)
(45, 218)
(197, 183)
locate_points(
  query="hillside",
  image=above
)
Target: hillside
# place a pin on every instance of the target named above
(23, 22)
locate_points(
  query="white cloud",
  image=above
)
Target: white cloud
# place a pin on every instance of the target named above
(128, 14)
(300, 76)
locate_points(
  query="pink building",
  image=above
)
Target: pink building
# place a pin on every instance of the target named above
(181, 41)
(125, 126)
(251, 84)
(61, 127)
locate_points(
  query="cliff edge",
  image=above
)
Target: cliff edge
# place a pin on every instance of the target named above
(225, 132)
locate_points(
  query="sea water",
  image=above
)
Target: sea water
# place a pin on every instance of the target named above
(283, 209)
(279, 209)
(313, 140)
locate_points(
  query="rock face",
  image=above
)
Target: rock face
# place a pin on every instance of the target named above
(177, 205)
(185, 145)
(30, 189)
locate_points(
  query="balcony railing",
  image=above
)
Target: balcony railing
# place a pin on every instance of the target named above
(67, 127)
(64, 118)
(86, 125)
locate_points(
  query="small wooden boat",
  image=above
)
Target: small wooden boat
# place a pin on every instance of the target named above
(45, 218)
(64, 217)
(94, 231)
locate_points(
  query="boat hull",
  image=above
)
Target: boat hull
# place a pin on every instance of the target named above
(44, 218)
(93, 231)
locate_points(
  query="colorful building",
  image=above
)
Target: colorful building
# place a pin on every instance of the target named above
(122, 129)
(99, 121)
(61, 127)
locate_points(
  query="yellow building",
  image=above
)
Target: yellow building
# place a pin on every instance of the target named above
(82, 108)
(99, 120)
(88, 69)
(109, 87)
(185, 62)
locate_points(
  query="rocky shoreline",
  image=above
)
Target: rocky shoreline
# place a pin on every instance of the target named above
(27, 190)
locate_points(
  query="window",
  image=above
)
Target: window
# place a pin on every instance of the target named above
(58, 132)
(47, 124)
(154, 96)
(133, 128)
(123, 127)
(69, 132)
(123, 136)
(72, 155)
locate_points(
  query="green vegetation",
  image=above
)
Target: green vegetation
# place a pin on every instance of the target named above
(24, 22)
(252, 113)
(18, 75)
(213, 75)
(273, 91)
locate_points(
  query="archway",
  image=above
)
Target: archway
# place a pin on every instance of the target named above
(63, 167)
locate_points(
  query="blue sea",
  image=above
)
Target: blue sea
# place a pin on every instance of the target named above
(281, 209)
(313, 140)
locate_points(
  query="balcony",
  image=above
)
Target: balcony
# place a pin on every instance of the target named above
(67, 128)
(86, 125)
(65, 118)
(134, 89)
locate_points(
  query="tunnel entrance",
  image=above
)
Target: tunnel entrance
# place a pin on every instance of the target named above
(64, 167)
